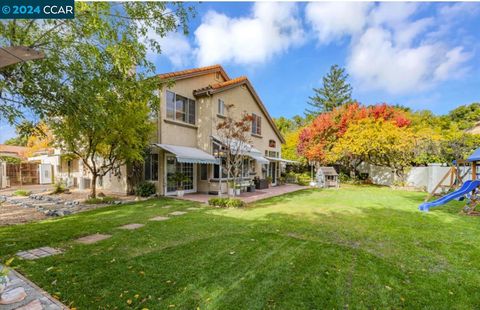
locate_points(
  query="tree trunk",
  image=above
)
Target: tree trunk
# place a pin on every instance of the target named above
(93, 193)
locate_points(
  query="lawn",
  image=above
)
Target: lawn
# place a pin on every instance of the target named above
(356, 247)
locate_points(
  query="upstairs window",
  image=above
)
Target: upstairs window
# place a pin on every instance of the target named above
(221, 107)
(180, 108)
(256, 124)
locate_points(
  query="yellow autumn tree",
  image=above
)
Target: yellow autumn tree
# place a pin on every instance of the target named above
(376, 142)
(289, 148)
(40, 139)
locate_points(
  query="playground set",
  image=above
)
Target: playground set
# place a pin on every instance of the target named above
(466, 190)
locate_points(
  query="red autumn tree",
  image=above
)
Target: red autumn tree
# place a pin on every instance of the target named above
(317, 139)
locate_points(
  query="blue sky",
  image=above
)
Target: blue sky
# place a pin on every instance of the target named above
(422, 55)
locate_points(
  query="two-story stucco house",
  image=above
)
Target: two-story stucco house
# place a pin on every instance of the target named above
(192, 103)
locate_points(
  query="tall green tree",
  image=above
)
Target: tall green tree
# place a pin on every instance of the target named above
(92, 88)
(466, 116)
(124, 31)
(334, 92)
(110, 125)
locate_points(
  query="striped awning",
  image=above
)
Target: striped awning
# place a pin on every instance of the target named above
(282, 160)
(247, 149)
(187, 154)
(258, 157)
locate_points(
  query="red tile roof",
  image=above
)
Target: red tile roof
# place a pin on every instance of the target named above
(193, 72)
(234, 81)
(13, 150)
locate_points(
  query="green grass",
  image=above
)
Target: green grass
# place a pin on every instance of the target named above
(356, 247)
(21, 192)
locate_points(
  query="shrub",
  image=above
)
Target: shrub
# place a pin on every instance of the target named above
(303, 179)
(234, 203)
(59, 188)
(215, 202)
(226, 202)
(146, 189)
(99, 200)
(21, 192)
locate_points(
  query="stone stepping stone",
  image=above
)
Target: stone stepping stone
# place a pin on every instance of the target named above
(159, 218)
(176, 213)
(33, 305)
(194, 209)
(131, 226)
(12, 296)
(38, 253)
(93, 238)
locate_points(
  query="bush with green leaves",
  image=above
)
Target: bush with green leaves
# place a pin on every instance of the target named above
(59, 187)
(100, 200)
(146, 189)
(22, 192)
(226, 202)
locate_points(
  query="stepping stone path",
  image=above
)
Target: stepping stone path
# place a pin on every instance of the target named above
(22, 294)
(13, 296)
(159, 218)
(38, 253)
(194, 209)
(33, 305)
(178, 213)
(93, 238)
(131, 226)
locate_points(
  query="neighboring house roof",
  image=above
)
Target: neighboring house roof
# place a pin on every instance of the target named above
(178, 75)
(328, 171)
(12, 150)
(223, 86)
(475, 130)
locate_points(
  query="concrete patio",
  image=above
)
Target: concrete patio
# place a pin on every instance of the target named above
(249, 197)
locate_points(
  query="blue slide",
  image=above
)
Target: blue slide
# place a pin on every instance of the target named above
(466, 188)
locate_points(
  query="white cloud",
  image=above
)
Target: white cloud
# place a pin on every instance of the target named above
(334, 20)
(176, 47)
(451, 66)
(271, 29)
(458, 10)
(390, 48)
(375, 63)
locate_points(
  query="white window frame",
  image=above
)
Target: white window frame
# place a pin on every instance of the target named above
(257, 119)
(221, 107)
(195, 168)
(187, 109)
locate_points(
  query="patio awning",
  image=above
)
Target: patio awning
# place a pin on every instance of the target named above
(248, 150)
(187, 154)
(282, 160)
(258, 157)
(14, 54)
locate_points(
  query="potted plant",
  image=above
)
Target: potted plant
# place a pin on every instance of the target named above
(179, 178)
(237, 189)
(4, 271)
(231, 189)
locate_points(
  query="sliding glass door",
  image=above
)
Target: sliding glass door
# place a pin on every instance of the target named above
(188, 169)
